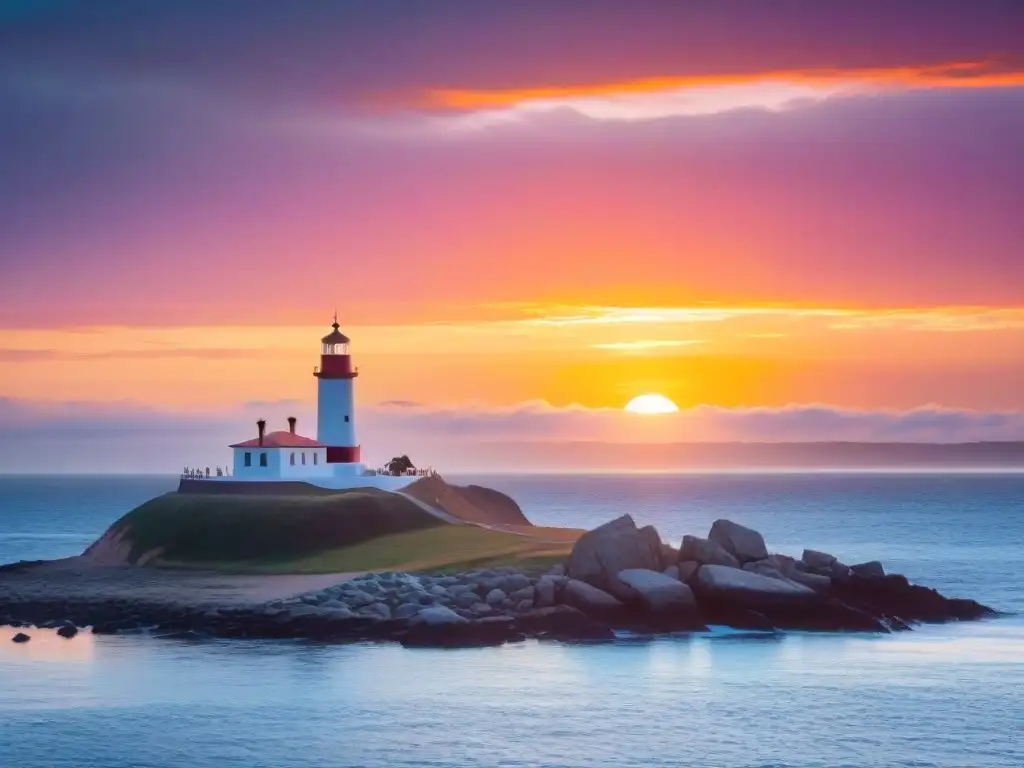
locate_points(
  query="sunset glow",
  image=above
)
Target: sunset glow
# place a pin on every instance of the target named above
(746, 214)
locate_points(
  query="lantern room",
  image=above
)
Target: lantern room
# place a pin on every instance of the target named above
(335, 361)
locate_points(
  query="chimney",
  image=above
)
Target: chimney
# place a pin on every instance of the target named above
(261, 425)
(291, 424)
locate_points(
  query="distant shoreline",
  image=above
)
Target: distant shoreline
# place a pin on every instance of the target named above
(564, 458)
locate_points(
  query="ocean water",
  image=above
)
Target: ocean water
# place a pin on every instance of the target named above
(944, 696)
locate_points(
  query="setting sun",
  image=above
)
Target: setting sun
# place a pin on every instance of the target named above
(651, 404)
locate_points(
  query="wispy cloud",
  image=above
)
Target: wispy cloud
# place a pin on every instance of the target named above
(646, 344)
(689, 96)
(931, 319)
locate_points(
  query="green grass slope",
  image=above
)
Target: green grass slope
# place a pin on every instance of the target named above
(440, 548)
(220, 528)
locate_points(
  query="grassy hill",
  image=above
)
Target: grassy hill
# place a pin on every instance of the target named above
(186, 528)
(313, 530)
(440, 548)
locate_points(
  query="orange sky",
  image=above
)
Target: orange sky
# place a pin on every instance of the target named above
(592, 356)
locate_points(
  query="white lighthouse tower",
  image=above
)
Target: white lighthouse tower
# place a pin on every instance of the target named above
(336, 417)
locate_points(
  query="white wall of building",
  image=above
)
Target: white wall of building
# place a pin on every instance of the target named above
(336, 413)
(279, 463)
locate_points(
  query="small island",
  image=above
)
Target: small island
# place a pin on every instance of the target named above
(439, 564)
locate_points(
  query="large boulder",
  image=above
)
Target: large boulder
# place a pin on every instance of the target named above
(438, 615)
(745, 544)
(705, 552)
(687, 570)
(812, 558)
(669, 556)
(547, 589)
(892, 596)
(718, 583)
(592, 601)
(872, 569)
(600, 554)
(773, 566)
(813, 580)
(658, 593)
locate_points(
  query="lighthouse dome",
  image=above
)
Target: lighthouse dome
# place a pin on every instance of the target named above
(335, 336)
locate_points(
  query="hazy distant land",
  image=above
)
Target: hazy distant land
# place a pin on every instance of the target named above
(578, 456)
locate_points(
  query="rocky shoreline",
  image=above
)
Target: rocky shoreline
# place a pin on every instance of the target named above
(618, 577)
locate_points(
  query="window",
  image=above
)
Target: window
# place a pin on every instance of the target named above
(303, 457)
(315, 457)
(263, 459)
(292, 460)
(346, 419)
(248, 459)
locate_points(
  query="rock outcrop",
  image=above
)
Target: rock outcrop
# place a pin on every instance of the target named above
(705, 552)
(745, 544)
(592, 601)
(600, 554)
(660, 595)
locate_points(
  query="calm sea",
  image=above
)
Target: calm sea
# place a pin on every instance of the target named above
(942, 696)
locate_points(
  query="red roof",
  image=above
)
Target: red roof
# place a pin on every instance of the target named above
(280, 439)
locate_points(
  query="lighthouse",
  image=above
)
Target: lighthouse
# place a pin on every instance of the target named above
(335, 421)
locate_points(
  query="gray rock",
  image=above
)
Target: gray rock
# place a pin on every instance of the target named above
(438, 615)
(488, 585)
(481, 609)
(526, 593)
(782, 563)
(840, 570)
(600, 554)
(705, 552)
(659, 594)
(516, 582)
(669, 556)
(812, 580)
(764, 568)
(745, 544)
(591, 600)
(67, 629)
(558, 569)
(546, 591)
(438, 591)
(748, 589)
(333, 604)
(872, 569)
(21, 637)
(686, 570)
(408, 610)
(672, 572)
(357, 598)
(376, 610)
(817, 560)
(338, 614)
(524, 606)
(311, 599)
(495, 597)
